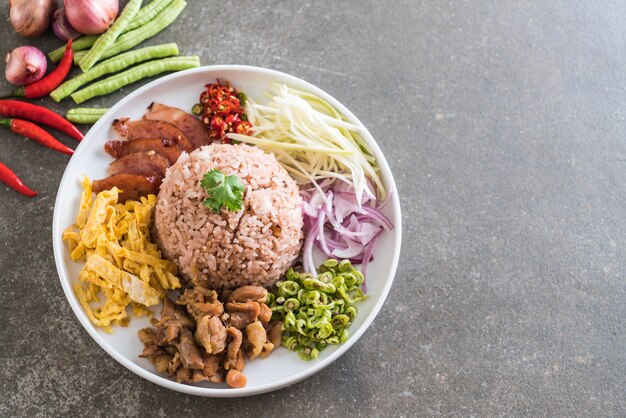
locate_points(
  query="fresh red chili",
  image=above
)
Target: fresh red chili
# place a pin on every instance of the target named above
(34, 132)
(50, 82)
(39, 114)
(13, 181)
(222, 111)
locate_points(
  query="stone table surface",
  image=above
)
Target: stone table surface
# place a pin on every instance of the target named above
(503, 123)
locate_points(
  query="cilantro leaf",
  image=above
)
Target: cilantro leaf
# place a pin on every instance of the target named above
(222, 190)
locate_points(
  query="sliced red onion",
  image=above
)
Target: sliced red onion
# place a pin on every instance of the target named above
(341, 227)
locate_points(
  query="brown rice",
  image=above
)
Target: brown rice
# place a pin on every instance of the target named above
(229, 249)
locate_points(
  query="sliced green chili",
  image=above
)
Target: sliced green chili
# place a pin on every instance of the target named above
(85, 115)
(148, 69)
(317, 311)
(113, 65)
(106, 40)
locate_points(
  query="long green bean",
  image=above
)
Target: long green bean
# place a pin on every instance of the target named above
(137, 36)
(85, 115)
(148, 69)
(147, 13)
(79, 55)
(106, 40)
(113, 65)
(84, 42)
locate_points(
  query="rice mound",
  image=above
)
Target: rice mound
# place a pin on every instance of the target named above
(254, 246)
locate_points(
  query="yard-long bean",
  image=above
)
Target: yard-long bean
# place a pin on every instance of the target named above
(134, 74)
(143, 16)
(147, 13)
(113, 65)
(79, 44)
(105, 41)
(85, 115)
(156, 25)
(79, 55)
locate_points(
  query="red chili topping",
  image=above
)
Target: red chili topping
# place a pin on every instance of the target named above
(221, 110)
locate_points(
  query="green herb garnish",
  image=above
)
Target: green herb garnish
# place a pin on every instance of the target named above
(222, 190)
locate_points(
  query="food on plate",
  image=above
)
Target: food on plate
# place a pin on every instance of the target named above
(148, 69)
(122, 264)
(85, 114)
(132, 186)
(147, 163)
(254, 246)
(45, 85)
(113, 65)
(34, 132)
(206, 336)
(235, 225)
(133, 129)
(317, 311)
(39, 114)
(221, 110)
(25, 65)
(191, 127)
(8, 177)
(164, 147)
(106, 40)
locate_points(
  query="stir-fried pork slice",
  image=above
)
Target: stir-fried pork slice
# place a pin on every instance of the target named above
(132, 186)
(242, 314)
(211, 334)
(193, 129)
(146, 163)
(164, 147)
(247, 294)
(230, 362)
(189, 353)
(257, 337)
(144, 128)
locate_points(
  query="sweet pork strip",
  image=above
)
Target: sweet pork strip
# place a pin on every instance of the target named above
(192, 127)
(165, 147)
(133, 186)
(146, 163)
(132, 129)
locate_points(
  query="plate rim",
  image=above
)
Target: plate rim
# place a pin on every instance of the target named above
(224, 392)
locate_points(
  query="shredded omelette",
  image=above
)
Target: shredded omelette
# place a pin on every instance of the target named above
(122, 264)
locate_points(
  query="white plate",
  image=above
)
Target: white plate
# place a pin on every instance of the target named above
(182, 89)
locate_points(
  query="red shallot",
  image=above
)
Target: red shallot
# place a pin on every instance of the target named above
(91, 17)
(62, 27)
(25, 65)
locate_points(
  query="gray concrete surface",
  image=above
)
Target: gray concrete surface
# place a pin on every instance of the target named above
(504, 125)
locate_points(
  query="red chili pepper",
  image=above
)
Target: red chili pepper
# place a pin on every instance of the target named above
(34, 132)
(50, 82)
(14, 182)
(39, 114)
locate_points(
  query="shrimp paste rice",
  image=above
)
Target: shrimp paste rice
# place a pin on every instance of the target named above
(253, 246)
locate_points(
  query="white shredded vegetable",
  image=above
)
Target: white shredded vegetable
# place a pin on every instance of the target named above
(312, 140)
